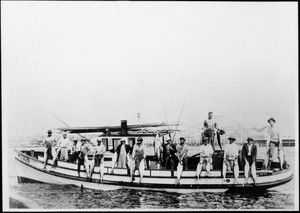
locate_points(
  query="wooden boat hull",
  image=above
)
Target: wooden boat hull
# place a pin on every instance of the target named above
(30, 168)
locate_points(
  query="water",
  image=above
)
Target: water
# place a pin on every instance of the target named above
(50, 196)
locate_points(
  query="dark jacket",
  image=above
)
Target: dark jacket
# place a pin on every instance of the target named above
(245, 152)
(127, 149)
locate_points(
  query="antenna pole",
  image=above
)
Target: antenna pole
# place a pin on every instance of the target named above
(180, 114)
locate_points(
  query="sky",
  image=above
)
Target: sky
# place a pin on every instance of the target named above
(96, 63)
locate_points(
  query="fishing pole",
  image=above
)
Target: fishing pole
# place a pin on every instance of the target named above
(69, 126)
(180, 114)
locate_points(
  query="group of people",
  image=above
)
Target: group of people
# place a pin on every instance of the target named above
(171, 155)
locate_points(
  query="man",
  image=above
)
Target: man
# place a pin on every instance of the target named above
(230, 160)
(181, 157)
(273, 140)
(138, 156)
(75, 150)
(209, 129)
(48, 143)
(99, 157)
(82, 158)
(64, 145)
(169, 150)
(122, 151)
(205, 159)
(249, 154)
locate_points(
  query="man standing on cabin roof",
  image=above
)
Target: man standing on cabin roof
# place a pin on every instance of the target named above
(138, 156)
(75, 150)
(273, 140)
(64, 145)
(230, 160)
(123, 150)
(82, 158)
(249, 154)
(209, 129)
(182, 153)
(205, 159)
(99, 157)
(48, 143)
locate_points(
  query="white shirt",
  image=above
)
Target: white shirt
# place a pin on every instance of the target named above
(249, 149)
(77, 146)
(210, 123)
(100, 149)
(205, 151)
(231, 151)
(63, 142)
(273, 134)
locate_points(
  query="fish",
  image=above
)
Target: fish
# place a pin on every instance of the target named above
(281, 156)
(157, 149)
(179, 171)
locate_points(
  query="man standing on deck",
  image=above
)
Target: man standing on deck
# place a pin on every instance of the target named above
(273, 140)
(48, 143)
(230, 160)
(138, 156)
(123, 150)
(75, 150)
(209, 129)
(99, 157)
(82, 158)
(182, 153)
(206, 152)
(64, 144)
(249, 154)
(169, 150)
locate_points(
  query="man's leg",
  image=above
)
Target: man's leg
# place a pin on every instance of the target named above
(224, 169)
(247, 167)
(199, 168)
(271, 155)
(253, 172)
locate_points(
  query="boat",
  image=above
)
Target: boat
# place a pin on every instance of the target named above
(30, 166)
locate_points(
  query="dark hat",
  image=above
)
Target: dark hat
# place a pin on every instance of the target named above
(182, 138)
(140, 139)
(271, 119)
(249, 139)
(49, 131)
(231, 138)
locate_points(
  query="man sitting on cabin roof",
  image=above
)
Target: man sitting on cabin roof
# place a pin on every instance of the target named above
(48, 142)
(230, 160)
(205, 159)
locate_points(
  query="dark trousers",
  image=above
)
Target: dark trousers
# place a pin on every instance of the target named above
(210, 134)
(80, 162)
(74, 156)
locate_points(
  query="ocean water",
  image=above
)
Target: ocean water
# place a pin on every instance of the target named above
(50, 196)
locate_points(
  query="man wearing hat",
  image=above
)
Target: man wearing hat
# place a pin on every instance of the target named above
(273, 140)
(48, 143)
(82, 158)
(249, 154)
(210, 129)
(75, 150)
(64, 145)
(169, 150)
(99, 157)
(123, 150)
(138, 156)
(182, 150)
(230, 160)
(205, 159)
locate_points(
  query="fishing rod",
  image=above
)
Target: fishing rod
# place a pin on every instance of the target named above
(180, 114)
(69, 126)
